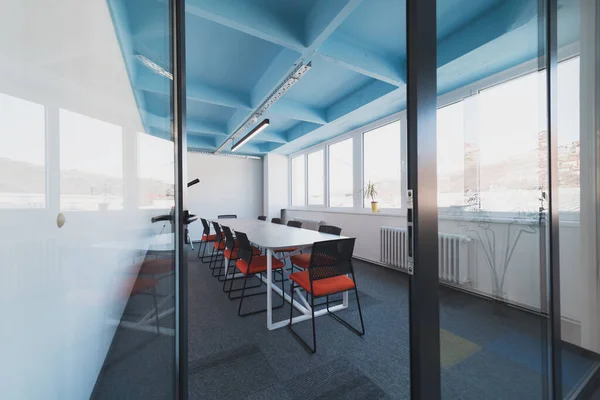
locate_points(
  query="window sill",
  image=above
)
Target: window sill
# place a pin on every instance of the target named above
(352, 211)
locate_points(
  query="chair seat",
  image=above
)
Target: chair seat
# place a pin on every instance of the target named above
(257, 265)
(142, 284)
(287, 250)
(157, 267)
(301, 260)
(209, 238)
(234, 255)
(323, 287)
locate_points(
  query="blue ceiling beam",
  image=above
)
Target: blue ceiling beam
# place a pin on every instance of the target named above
(507, 16)
(194, 126)
(268, 147)
(325, 17)
(201, 142)
(248, 17)
(363, 96)
(298, 111)
(350, 55)
(301, 130)
(272, 136)
(151, 82)
(319, 27)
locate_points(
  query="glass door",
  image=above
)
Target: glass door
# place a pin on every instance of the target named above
(87, 195)
(493, 191)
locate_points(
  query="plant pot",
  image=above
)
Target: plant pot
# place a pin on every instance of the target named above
(374, 206)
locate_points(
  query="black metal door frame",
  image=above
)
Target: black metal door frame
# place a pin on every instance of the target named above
(421, 34)
(178, 108)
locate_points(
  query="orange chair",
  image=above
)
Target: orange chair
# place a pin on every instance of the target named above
(327, 274)
(302, 260)
(231, 254)
(250, 265)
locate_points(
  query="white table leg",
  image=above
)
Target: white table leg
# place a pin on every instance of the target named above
(269, 289)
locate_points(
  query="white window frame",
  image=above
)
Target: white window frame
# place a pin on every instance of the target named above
(444, 100)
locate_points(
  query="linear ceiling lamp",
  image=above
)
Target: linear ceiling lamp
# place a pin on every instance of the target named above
(259, 128)
(290, 81)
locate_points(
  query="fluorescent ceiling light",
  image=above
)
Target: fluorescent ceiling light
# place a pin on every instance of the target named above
(154, 66)
(259, 128)
(290, 81)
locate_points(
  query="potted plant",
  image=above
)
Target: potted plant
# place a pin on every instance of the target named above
(370, 190)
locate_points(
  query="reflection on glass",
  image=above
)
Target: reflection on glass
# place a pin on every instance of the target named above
(512, 144)
(452, 150)
(298, 181)
(341, 189)
(91, 163)
(156, 171)
(382, 164)
(22, 153)
(316, 162)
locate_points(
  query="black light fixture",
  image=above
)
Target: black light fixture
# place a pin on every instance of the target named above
(259, 128)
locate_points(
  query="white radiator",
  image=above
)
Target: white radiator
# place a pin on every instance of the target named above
(311, 224)
(455, 253)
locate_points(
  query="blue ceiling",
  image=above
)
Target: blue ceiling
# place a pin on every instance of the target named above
(239, 51)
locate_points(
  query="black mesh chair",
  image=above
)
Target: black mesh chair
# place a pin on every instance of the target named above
(226, 216)
(263, 217)
(293, 224)
(206, 239)
(250, 265)
(277, 221)
(231, 255)
(302, 260)
(327, 274)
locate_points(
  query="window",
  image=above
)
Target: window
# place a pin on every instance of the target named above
(382, 164)
(91, 163)
(298, 181)
(156, 171)
(456, 162)
(22, 152)
(316, 178)
(341, 186)
(568, 135)
(512, 141)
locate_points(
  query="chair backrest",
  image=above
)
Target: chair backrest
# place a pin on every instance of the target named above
(295, 224)
(263, 217)
(229, 240)
(218, 232)
(277, 221)
(245, 249)
(332, 230)
(226, 216)
(206, 227)
(331, 258)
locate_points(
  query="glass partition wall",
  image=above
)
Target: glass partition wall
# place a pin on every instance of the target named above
(87, 288)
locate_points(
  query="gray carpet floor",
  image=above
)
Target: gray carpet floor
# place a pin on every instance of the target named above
(486, 352)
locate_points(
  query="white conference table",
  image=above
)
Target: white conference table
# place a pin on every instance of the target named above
(272, 237)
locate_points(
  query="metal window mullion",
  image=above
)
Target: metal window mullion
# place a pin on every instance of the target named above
(551, 60)
(52, 160)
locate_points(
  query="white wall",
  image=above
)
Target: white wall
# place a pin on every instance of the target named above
(59, 288)
(276, 187)
(228, 185)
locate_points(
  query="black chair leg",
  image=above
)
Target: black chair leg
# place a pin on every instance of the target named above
(346, 324)
(254, 294)
(312, 349)
(156, 310)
